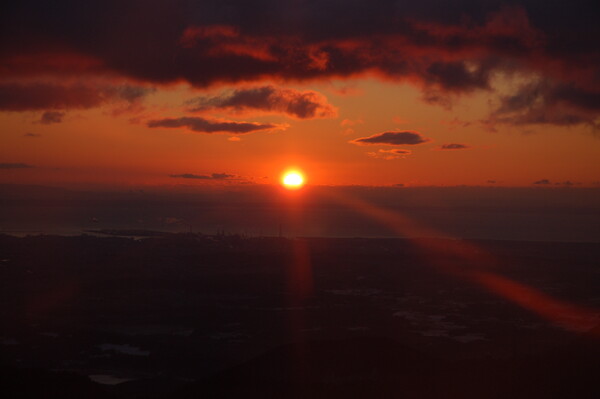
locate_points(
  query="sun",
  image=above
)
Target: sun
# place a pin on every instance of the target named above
(292, 180)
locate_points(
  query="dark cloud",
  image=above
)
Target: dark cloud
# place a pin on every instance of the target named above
(202, 125)
(129, 93)
(445, 47)
(214, 176)
(543, 102)
(50, 117)
(299, 104)
(393, 138)
(457, 75)
(40, 96)
(15, 166)
(542, 182)
(453, 146)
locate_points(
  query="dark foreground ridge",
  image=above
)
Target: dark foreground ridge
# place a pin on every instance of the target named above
(359, 368)
(193, 316)
(381, 368)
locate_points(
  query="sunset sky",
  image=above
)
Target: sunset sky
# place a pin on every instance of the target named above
(151, 93)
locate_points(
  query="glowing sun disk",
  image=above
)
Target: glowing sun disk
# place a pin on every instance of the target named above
(293, 180)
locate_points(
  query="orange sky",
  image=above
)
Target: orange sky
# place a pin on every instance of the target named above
(351, 93)
(96, 146)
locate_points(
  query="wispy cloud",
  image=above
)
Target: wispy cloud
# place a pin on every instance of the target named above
(202, 125)
(15, 166)
(50, 117)
(213, 176)
(307, 104)
(546, 103)
(390, 154)
(453, 146)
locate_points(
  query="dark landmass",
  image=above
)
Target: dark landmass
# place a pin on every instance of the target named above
(190, 315)
(128, 232)
(562, 214)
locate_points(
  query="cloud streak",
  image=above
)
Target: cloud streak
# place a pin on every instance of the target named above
(389, 155)
(453, 146)
(15, 166)
(406, 137)
(213, 176)
(202, 125)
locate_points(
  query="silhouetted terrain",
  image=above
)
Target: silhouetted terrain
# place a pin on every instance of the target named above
(188, 315)
(524, 213)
